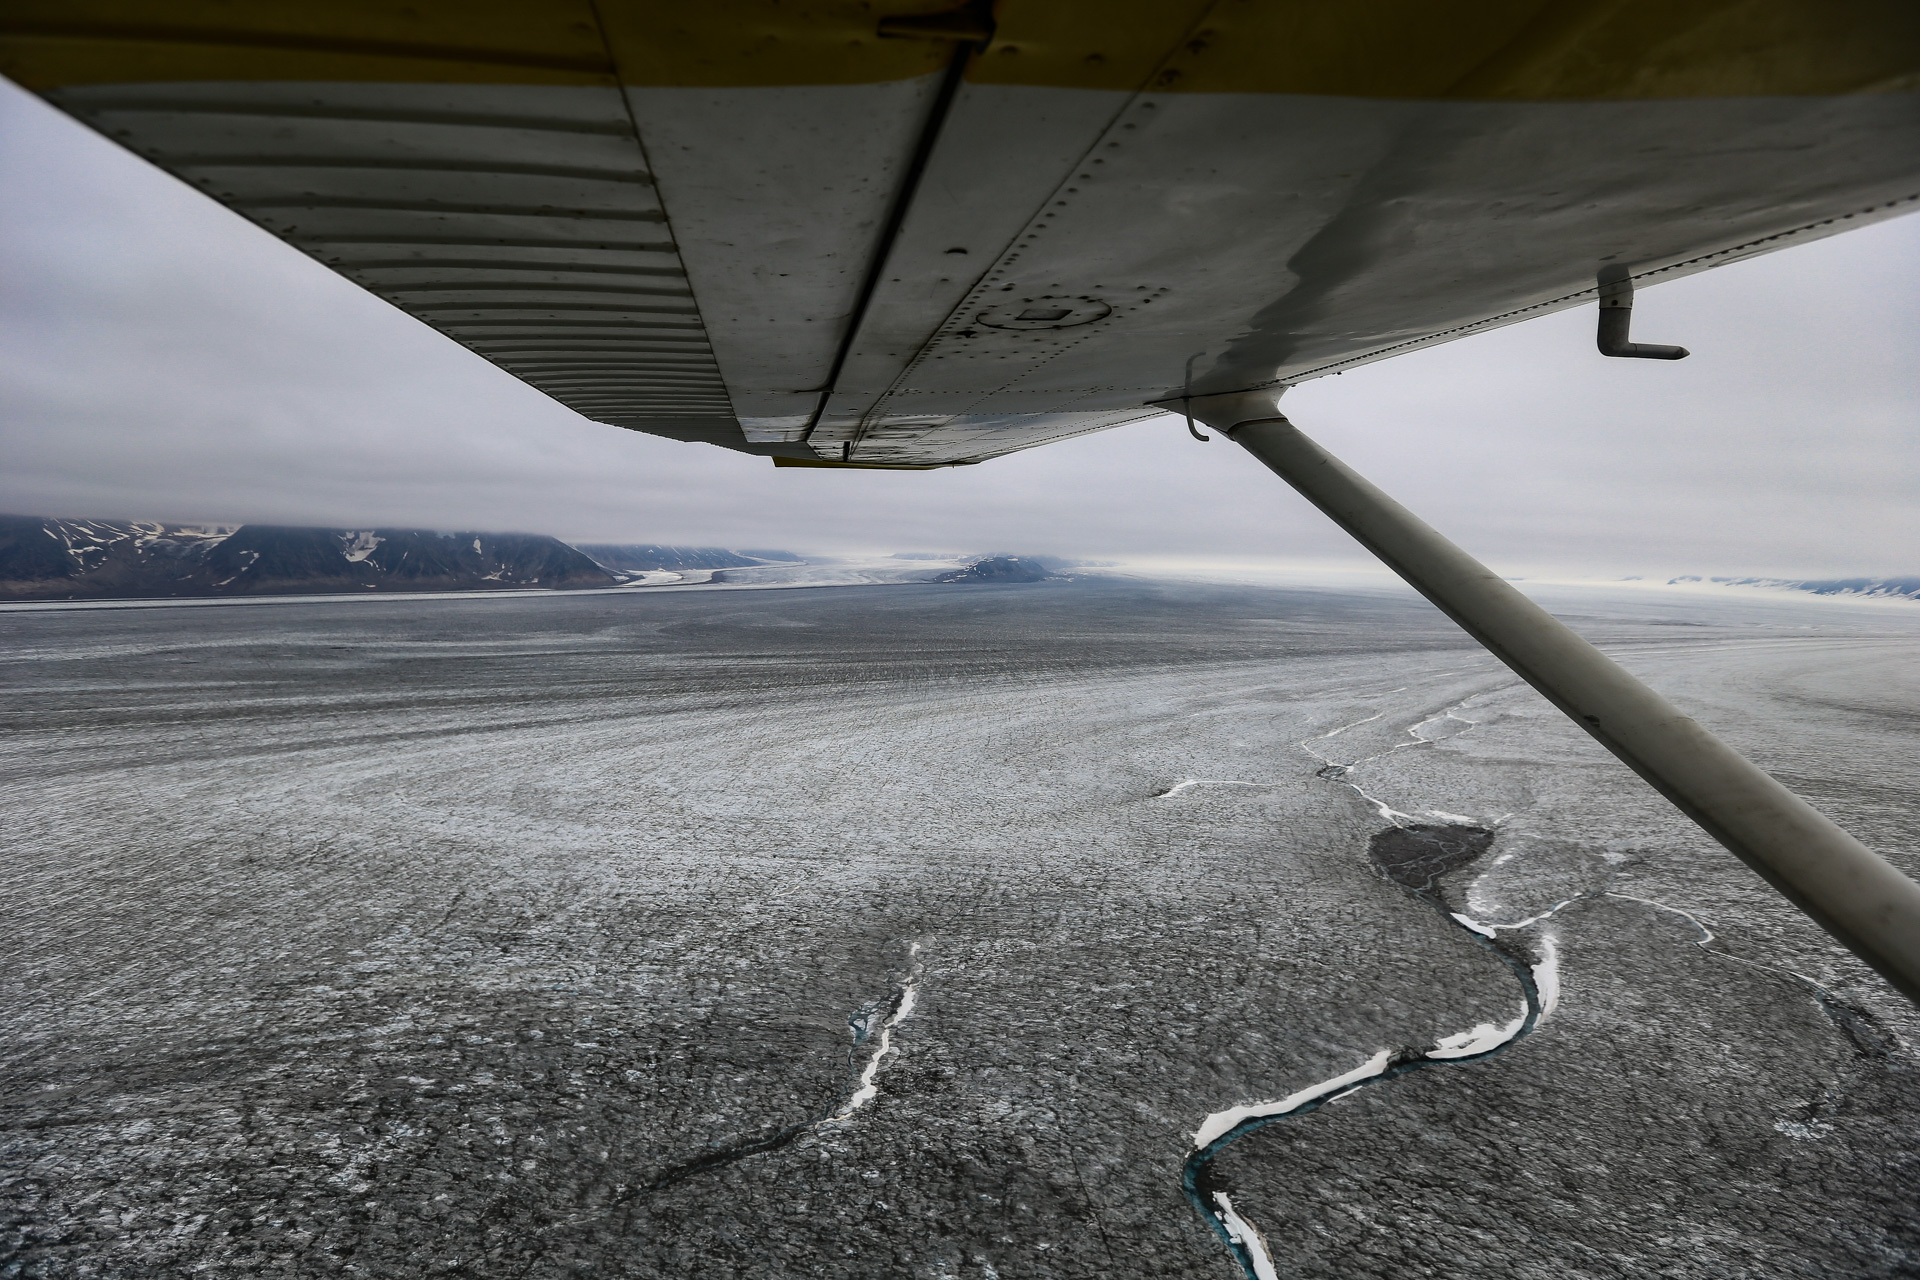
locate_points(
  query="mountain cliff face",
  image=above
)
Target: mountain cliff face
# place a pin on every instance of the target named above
(76, 559)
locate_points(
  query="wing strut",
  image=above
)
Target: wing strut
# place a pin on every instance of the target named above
(1849, 890)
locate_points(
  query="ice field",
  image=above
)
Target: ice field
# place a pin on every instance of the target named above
(932, 931)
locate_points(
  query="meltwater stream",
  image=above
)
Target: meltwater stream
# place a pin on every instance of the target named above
(1415, 855)
(1539, 980)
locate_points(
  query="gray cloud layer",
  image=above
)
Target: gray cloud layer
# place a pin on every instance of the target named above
(165, 359)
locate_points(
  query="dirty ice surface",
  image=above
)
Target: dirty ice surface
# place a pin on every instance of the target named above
(523, 937)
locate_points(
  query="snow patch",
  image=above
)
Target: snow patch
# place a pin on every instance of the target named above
(1242, 1233)
(1178, 787)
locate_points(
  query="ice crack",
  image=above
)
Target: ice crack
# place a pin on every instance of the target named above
(868, 1087)
(1424, 733)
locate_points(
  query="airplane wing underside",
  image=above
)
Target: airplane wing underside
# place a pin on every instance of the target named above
(774, 228)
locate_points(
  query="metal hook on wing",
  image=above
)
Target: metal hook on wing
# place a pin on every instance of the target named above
(1616, 316)
(1186, 402)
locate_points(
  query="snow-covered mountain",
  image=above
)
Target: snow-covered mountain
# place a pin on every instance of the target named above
(63, 559)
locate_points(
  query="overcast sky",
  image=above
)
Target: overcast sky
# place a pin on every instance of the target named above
(163, 359)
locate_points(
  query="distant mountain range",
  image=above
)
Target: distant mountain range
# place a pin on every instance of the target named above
(51, 559)
(1872, 588)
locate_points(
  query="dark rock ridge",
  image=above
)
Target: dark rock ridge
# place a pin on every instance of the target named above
(51, 559)
(1000, 569)
(645, 557)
